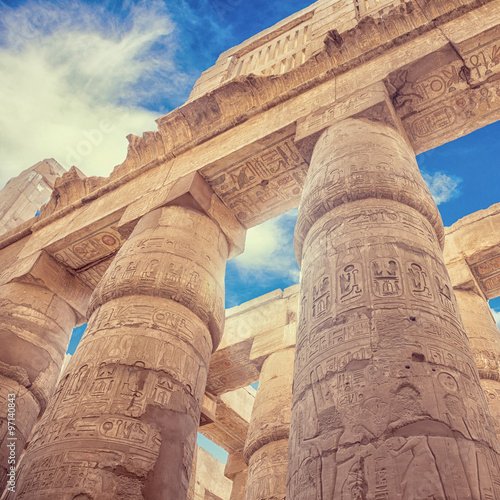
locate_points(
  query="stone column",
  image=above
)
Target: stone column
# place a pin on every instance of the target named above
(192, 480)
(35, 328)
(484, 337)
(387, 399)
(266, 447)
(237, 470)
(124, 419)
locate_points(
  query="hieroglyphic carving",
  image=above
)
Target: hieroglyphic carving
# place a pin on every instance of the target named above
(399, 392)
(90, 248)
(132, 393)
(261, 182)
(436, 103)
(487, 273)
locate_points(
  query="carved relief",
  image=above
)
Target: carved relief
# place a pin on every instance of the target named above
(382, 369)
(386, 278)
(350, 282)
(258, 184)
(133, 390)
(418, 279)
(90, 248)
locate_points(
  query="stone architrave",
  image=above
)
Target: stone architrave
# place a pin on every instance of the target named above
(266, 447)
(387, 399)
(35, 327)
(124, 418)
(484, 338)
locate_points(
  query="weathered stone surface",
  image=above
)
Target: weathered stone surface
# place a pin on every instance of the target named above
(384, 374)
(125, 416)
(23, 195)
(392, 387)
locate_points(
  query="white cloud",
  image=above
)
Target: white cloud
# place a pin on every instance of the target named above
(269, 249)
(496, 315)
(74, 80)
(442, 186)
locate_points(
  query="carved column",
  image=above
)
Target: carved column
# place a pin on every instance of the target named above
(124, 419)
(484, 337)
(35, 328)
(237, 470)
(266, 447)
(387, 399)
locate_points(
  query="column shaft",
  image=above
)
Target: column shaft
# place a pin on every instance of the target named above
(387, 400)
(124, 418)
(266, 447)
(484, 337)
(237, 471)
(35, 328)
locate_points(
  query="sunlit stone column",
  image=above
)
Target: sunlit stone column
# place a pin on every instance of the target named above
(266, 447)
(35, 328)
(387, 399)
(124, 418)
(484, 337)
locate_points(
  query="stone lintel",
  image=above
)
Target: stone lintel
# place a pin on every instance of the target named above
(252, 332)
(43, 270)
(193, 190)
(472, 252)
(230, 426)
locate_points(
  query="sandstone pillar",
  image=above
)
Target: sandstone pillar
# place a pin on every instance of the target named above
(484, 337)
(237, 470)
(124, 419)
(266, 447)
(35, 328)
(387, 399)
(192, 480)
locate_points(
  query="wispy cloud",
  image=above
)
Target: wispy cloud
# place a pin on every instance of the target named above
(75, 79)
(443, 187)
(269, 250)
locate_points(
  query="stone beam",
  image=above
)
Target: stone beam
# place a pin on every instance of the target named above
(253, 331)
(232, 416)
(472, 252)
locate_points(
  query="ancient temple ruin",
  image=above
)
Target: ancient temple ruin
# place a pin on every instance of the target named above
(378, 375)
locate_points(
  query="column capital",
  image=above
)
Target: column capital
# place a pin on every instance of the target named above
(43, 270)
(190, 191)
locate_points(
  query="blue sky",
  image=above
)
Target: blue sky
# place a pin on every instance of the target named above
(69, 68)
